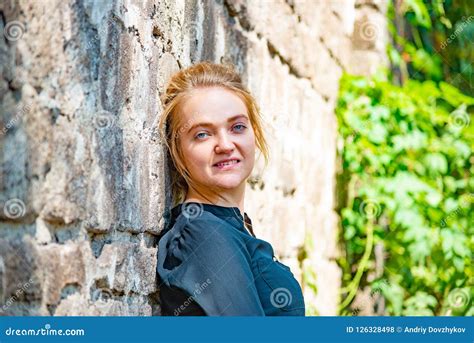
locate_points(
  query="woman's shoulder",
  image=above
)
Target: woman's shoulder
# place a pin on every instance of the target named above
(194, 239)
(190, 229)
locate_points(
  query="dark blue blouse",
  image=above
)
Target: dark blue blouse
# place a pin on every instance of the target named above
(209, 264)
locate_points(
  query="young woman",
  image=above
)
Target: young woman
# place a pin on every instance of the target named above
(209, 260)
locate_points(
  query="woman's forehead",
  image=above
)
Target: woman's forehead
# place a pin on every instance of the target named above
(211, 106)
(213, 101)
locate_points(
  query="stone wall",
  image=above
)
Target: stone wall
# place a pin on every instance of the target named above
(83, 173)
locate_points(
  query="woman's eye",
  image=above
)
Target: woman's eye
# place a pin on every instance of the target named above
(199, 135)
(240, 125)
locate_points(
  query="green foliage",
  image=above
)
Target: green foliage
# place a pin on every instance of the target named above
(432, 40)
(408, 166)
(309, 281)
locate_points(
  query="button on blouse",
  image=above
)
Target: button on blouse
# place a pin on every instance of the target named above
(210, 264)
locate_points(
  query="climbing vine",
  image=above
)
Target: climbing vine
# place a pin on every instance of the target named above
(407, 175)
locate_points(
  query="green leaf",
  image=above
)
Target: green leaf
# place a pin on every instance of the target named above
(421, 12)
(377, 134)
(454, 96)
(437, 163)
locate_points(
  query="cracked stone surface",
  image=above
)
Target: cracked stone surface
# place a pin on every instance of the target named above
(83, 173)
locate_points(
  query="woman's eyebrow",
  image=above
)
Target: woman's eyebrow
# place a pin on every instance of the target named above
(231, 119)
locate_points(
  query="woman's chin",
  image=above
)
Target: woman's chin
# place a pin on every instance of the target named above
(229, 182)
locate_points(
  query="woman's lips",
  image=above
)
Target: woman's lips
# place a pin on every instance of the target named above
(228, 166)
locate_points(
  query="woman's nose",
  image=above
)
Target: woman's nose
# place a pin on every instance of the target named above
(224, 142)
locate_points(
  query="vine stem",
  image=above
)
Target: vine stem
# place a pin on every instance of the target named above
(354, 285)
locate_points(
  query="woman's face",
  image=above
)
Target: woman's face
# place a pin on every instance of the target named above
(215, 127)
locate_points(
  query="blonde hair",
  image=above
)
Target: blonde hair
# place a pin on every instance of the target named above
(179, 87)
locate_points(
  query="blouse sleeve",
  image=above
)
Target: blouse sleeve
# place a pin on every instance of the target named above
(213, 267)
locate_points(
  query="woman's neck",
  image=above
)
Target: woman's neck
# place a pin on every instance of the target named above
(227, 200)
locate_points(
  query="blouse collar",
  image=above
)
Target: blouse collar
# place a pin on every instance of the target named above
(195, 208)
